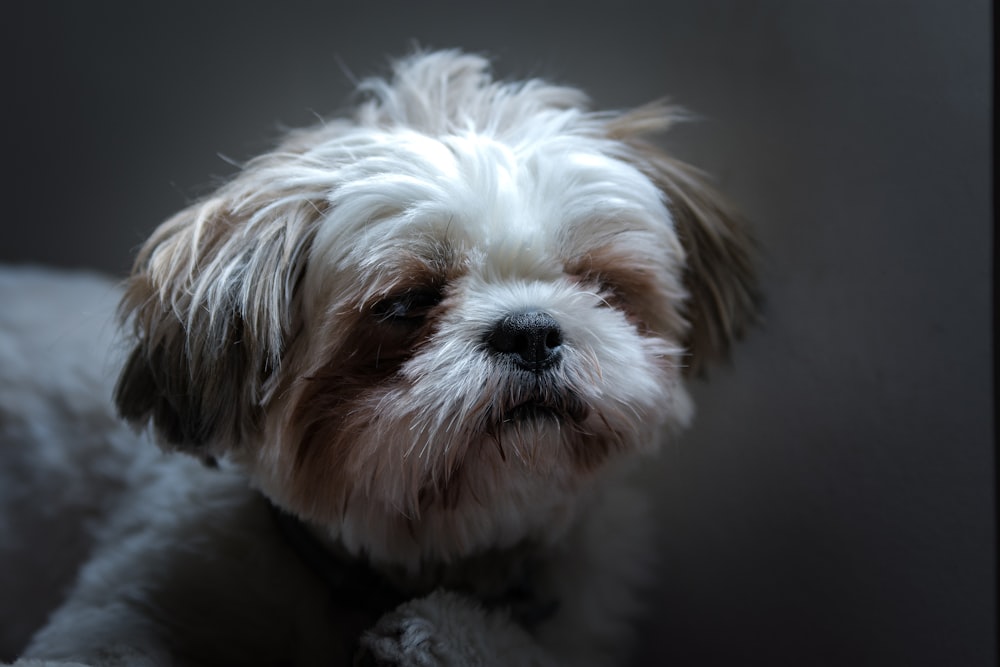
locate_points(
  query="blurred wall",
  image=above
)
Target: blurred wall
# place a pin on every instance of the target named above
(834, 503)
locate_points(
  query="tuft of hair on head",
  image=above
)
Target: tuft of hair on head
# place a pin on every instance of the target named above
(723, 297)
(451, 91)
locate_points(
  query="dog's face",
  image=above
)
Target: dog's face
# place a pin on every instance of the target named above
(429, 327)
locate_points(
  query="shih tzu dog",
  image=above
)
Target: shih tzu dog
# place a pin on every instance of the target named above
(418, 349)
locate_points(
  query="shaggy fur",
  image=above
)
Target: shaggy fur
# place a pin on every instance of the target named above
(418, 348)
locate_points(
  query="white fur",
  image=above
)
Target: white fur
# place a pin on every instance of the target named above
(514, 197)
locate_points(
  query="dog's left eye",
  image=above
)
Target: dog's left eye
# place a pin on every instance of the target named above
(409, 307)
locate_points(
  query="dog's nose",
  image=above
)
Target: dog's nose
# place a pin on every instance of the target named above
(532, 339)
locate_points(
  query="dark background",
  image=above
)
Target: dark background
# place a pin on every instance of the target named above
(834, 503)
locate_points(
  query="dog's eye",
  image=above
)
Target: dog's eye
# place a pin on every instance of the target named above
(409, 307)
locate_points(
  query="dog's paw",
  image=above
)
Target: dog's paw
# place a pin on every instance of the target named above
(402, 639)
(445, 629)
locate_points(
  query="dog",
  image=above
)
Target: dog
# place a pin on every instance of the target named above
(412, 357)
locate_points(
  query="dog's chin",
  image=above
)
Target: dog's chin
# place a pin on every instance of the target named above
(531, 411)
(564, 408)
(519, 474)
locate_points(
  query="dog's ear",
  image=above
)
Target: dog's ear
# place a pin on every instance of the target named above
(719, 272)
(211, 304)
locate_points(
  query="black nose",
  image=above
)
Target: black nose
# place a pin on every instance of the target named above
(533, 339)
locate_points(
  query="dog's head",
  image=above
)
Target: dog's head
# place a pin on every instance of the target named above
(429, 326)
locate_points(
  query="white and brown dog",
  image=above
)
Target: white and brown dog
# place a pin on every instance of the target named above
(418, 348)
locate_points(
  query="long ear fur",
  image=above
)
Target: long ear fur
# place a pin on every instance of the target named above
(211, 300)
(719, 275)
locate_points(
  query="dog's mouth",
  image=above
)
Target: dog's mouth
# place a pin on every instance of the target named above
(566, 407)
(531, 411)
(522, 417)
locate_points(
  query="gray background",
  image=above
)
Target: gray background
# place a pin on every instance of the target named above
(834, 503)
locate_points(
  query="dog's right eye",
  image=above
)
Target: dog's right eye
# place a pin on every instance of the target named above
(408, 308)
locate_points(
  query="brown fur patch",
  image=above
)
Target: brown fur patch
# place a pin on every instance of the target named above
(635, 290)
(338, 402)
